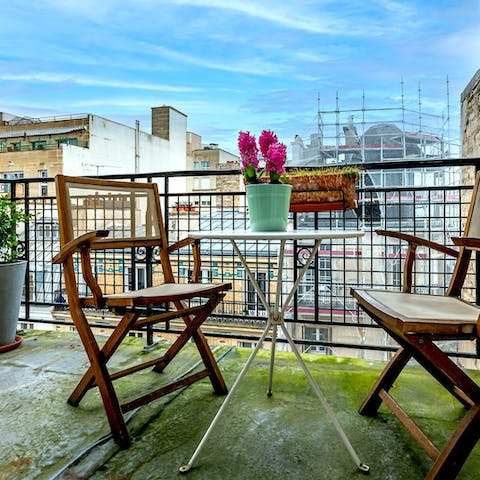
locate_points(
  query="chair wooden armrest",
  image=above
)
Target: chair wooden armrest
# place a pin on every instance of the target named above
(419, 241)
(76, 244)
(183, 243)
(197, 260)
(467, 242)
(413, 243)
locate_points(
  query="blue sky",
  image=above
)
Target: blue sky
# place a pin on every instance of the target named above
(234, 65)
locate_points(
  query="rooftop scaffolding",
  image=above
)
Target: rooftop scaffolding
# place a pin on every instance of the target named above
(375, 135)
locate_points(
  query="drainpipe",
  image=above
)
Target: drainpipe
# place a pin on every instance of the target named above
(137, 146)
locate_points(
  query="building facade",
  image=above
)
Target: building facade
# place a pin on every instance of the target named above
(88, 144)
(204, 158)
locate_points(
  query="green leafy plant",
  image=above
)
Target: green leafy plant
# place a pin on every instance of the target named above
(10, 218)
(348, 171)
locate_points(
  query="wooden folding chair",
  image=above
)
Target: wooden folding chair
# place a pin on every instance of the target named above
(119, 219)
(416, 321)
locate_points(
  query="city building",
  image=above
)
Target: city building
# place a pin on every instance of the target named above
(205, 158)
(87, 144)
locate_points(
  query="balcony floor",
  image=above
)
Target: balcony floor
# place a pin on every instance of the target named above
(287, 436)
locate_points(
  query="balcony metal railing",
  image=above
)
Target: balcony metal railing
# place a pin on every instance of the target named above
(431, 201)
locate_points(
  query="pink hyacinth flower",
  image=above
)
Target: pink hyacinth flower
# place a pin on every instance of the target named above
(276, 158)
(266, 139)
(247, 145)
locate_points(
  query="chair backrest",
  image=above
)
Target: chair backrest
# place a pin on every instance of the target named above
(129, 211)
(471, 230)
(472, 225)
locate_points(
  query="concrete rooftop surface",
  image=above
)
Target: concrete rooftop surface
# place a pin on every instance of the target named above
(285, 437)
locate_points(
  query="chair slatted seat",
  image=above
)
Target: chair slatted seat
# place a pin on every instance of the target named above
(117, 219)
(416, 321)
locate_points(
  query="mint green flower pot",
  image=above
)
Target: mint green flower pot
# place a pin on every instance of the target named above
(268, 206)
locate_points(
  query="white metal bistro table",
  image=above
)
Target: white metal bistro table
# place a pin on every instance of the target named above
(275, 315)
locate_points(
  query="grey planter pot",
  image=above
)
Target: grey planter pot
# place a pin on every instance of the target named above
(12, 276)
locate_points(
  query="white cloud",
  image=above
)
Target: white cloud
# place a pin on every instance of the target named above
(93, 82)
(276, 13)
(250, 65)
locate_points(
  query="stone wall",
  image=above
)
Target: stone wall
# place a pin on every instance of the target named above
(470, 118)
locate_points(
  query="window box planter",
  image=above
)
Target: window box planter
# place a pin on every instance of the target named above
(323, 189)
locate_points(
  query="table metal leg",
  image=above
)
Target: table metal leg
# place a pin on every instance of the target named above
(360, 465)
(272, 360)
(185, 468)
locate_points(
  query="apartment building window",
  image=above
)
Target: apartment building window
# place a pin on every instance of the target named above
(196, 165)
(203, 183)
(39, 145)
(325, 270)
(306, 289)
(67, 141)
(206, 276)
(206, 164)
(396, 266)
(10, 176)
(43, 186)
(140, 278)
(47, 231)
(254, 305)
(316, 334)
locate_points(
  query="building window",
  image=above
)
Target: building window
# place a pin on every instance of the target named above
(43, 186)
(140, 280)
(205, 163)
(306, 289)
(316, 334)
(39, 145)
(325, 270)
(202, 183)
(16, 146)
(205, 183)
(396, 263)
(206, 276)
(67, 141)
(254, 305)
(10, 176)
(196, 165)
(47, 231)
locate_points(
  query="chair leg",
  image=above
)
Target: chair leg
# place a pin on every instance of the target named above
(372, 401)
(98, 372)
(107, 351)
(112, 407)
(445, 371)
(453, 456)
(216, 378)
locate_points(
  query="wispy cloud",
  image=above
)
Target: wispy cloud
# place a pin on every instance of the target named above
(251, 65)
(321, 17)
(93, 82)
(277, 13)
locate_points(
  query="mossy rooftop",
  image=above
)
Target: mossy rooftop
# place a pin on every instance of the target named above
(286, 436)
